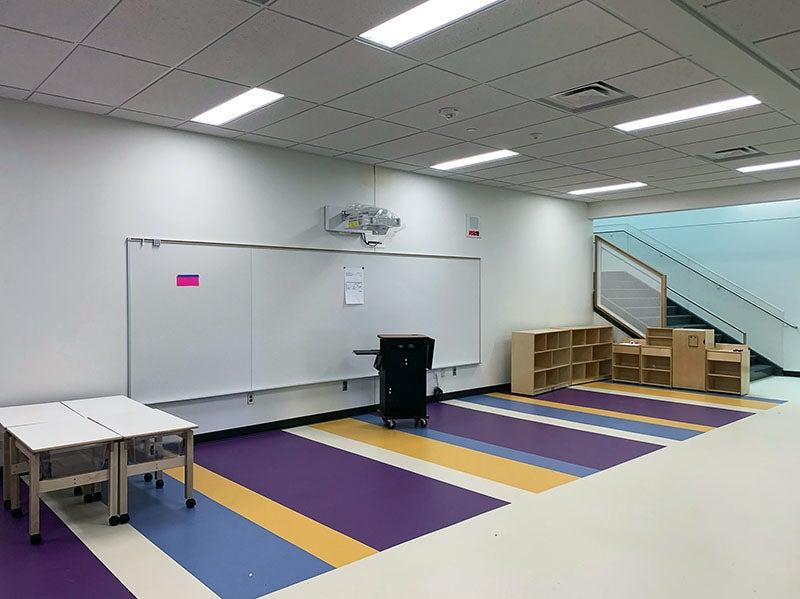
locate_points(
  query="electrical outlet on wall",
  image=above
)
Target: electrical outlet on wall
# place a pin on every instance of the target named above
(251, 399)
(455, 371)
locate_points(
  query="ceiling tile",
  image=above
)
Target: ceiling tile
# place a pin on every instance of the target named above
(543, 132)
(13, 92)
(264, 140)
(264, 47)
(535, 43)
(508, 162)
(702, 169)
(313, 123)
(711, 184)
(790, 173)
(626, 195)
(100, 77)
(309, 149)
(643, 171)
(734, 164)
(733, 126)
(662, 78)
(785, 49)
(400, 166)
(596, 64)
(481, 25)
(540, 178)
(340, 71)
(718, 176)
(209, 130)
(508, 170)
(167, 32)
(582, 141)
(402, 91)
(360, 158)
(351, 17)
(704, 93)
(70, 103)
(55, 18)
(552, 173)
(453, 152)
(272, 113)
(27, 59)
(362, 136)
(779, 147)
(407, 146)
(142, 117)
(758, 139)
(754, 19)
(183, 95)
(500, 121)
(625, 148)
(596, 179)
(608, 164)
(469, 102)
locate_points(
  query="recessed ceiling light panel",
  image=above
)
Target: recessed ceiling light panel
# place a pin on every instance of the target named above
(772, 166)
(689, 114)
(422, 19)
(608, 188)
(235, 107)
(478, 159)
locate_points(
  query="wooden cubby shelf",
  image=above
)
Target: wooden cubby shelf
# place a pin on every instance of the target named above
(728, 369)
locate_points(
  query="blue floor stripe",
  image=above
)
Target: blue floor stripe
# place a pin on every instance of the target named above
(229, 554)
(496, 450)
(633, 426)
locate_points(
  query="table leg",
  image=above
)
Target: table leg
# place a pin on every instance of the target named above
(33, 500)
(113, 485)
(188, 483)
(158, 454)
(6, 470)
(124, 518)
(13, 452)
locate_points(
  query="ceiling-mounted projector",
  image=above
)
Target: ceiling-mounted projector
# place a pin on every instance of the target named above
(361, 219)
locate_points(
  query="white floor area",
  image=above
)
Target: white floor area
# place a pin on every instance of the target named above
(715, 516)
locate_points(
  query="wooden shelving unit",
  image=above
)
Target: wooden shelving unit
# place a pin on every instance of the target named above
(656, 364)
(728, 369)
(591, 353)
(540, 360)
(627, 365)
(659, 337)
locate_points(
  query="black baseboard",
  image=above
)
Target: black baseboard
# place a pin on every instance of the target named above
(794, 373)
(328, 416)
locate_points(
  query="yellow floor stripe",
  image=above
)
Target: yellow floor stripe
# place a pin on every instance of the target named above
(317, 539)
(501, 470)
(739, 402)
(600, 412)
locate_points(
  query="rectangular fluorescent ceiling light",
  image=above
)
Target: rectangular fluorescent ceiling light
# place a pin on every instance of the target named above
(235, 107)
(690, 114)
(608, 188)
(478, 159)
(421, 19)
(772, 166)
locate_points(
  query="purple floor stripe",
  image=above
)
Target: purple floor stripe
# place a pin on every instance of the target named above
(656, 408)
(60, 567)
(377, 504)
(570, 445)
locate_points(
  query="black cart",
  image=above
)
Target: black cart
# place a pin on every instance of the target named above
(402, 362)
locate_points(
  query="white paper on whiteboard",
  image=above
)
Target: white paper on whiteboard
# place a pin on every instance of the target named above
(354, 286)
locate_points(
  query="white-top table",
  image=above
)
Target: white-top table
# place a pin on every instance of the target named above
(101, 406)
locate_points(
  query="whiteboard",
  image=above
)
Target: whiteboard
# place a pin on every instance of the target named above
(272, 317)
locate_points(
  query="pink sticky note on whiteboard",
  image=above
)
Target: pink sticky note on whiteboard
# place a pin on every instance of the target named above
(188, 281)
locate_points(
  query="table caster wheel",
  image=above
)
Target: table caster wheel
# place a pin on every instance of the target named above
(390, 424)
(36, 539)
(16, 512)
(190, 503)
(160, 484)
(7, 504)
(113, 520)
(124, 518)
(98, 496)
(77, 491)
(423, 422)
(148, 477)
(88, 498)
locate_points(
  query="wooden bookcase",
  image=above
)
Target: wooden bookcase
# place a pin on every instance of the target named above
(659, 337)
(627, 363)
(540, 360)
(656, 366)
(728, 369)
(591, 353)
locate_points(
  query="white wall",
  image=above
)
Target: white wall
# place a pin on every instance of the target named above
(756, 246)
(73, 186)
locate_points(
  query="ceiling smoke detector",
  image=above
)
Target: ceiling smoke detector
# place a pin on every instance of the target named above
(588, 97)
(733, 153)
(448, 112)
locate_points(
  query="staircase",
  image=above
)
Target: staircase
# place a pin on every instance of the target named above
(639, 305)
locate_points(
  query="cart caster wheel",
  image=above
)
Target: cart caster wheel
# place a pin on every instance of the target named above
(113, 520)
(423, 422)
(98, 496)
(7, 504)
(190, 503)
(437, 392)
(88, 498)
(148, 477)
(159, 484)
(124, 518)
(77, 491)
(16, 512)
(390, 424)
(36, 539)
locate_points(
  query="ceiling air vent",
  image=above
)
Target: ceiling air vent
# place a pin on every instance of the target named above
(733, 154)
(588, 97)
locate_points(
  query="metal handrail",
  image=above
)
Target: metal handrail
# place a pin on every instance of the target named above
(707, 311)
(717, 283)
